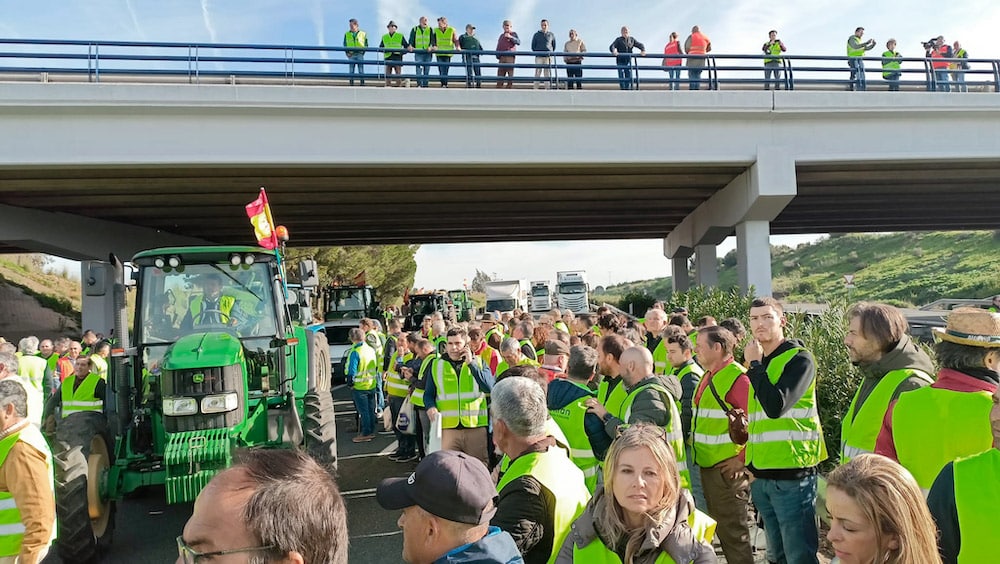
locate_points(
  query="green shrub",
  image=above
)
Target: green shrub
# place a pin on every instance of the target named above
(636, 302)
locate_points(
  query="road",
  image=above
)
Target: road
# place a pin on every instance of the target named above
(146, 526)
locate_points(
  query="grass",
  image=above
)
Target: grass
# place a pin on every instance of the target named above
(52, 290)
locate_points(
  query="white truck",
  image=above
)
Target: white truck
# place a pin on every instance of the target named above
(507, 295)
(572, 291)
(541, 296)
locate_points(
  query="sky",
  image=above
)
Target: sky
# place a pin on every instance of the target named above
(808, 27)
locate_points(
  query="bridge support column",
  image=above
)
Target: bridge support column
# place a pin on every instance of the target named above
(96, 279)
(706, 266)
(753, 256)
(680, 277)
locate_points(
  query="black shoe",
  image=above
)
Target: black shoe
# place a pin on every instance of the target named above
(406, 458)
(394, 454)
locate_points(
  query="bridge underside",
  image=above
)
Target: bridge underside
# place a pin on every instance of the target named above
(370, 204)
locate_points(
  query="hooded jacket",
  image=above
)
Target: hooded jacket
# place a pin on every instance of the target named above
(497, 547)
(906, 354)
(672, 536)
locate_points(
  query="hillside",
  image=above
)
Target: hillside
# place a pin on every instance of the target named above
(36, 302)
(905, 269)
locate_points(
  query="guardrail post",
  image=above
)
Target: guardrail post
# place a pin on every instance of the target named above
(931, 77)
(787, 67)
(996, 76)
(97, 63)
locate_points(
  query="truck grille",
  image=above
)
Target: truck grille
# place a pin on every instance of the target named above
(197, 383)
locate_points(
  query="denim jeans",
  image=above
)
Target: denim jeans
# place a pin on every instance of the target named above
(694, 74)
(423, 59)
(696, 490)
(772, 70)
(857, 73)
(473, 72)
(444, 64)
(407, 443)
(893, 79)
(674, 76)
(364, 402)
(941, 77)
(788, 508)
(356, 66)
(625, 73)
(958, 77)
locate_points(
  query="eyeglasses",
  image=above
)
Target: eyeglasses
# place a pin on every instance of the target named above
(190, 556)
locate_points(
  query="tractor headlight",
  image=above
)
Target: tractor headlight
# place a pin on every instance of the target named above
(179, 406)
(220, 403)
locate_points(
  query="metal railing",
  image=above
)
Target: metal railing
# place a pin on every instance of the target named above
(204, 63)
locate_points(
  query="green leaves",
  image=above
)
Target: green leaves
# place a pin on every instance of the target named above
(390, 269)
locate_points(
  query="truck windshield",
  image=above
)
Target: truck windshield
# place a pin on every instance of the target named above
(501, 305)
(540, 292)
(206, 297)
(425, 305)
(572, 289)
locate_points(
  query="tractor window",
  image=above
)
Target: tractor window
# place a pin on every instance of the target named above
(206, 297)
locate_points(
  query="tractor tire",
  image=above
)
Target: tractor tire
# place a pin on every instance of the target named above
(81, 457)
(320, 428)
(319, 361)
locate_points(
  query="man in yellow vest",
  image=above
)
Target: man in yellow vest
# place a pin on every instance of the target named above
(855, 50)
(9, 369)
(655, 323)
(355, 37)
(86, 391)
(420, 44)
(786, 440)
(397, 389)
(965, 498)
(541, 492)
(891, 60)
(28, 519)
(724, 478)
(444, 42)
(890, 362)
(391, 41)
(417, 372)
(211, 307)
(30, 366)
(512, 355)
(688, 373)
(772, 60)
(610, 390)
(362, 376)
(929, 427)
(456, 394)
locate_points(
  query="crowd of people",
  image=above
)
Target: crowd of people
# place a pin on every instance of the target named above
(443, 42)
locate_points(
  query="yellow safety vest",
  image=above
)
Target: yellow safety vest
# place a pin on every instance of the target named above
(226, 304)
(660, 364)
(366, 377)
(11, 526)
(100, 366)
(392, 41)
(794, 440)
(83, 398)
(445, 39)
(890, 63)
(417, 397)
(359, 39)
(977, 496)
(32, 369)
(612, 401)
(554, 470)
(459, 399)
(859, 430)
(570, 421)
(775, 51)
(596, 552)
(672, 429)
(503, 366)
(421, 37)
(396, 385)
(852, 52)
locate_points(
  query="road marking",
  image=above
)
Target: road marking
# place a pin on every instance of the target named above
(375, 535)
(367, 492)
(339, 413)
(384, 452)
(338, 386)
(389, 449)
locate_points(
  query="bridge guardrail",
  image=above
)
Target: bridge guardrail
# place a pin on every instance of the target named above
(103, 61)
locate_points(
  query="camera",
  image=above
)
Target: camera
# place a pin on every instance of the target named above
(930, 43)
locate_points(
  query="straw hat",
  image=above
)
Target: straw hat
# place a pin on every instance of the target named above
(971, 326)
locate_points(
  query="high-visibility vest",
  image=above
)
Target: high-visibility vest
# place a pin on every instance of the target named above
(561, 326)
(859, 430)
(852, 52)
(699, 44)
(612, 401)
(554, 470)
(690, 371)
(396, 385)
(570, 420)
(32, 369)
(226, 304)
(937, 59)
(673, 429)
(977, 496)
(596, 552)
(417, 397)
(352, 39)
(890, 63)
(99, 366)
(960, 54)
(523, 342)
(459, 399)
(672, 48)
(392, 41)
(932, 426)
(366, 377)
(11, 527)
(445, 39)
(421, 37)
(794, 440)
(492, 331)
(775, 51)
(710, 427)
(661, 365)
(374, 340)
(83, 398)
(503, 366)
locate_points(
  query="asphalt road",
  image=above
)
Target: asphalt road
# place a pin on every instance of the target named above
(146, 526)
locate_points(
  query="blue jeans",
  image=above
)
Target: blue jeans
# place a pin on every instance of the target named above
(696, 489)
(364, 402)
(893, 79)
(958, 77)
(625, 73)
(356, 66)
(772, 70)
(423, 59)
(444, 63)
(941, 77)
(694, 74)
(857, 73)
(674, 76)
(788, 508)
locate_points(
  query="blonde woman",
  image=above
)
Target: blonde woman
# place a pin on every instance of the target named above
(641, 513)
(878, 514)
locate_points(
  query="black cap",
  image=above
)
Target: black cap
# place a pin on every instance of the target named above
(449, 484)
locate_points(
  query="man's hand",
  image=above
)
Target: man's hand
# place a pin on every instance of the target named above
(732, 468)
(432, 414)
(642, 53)
(595, 407)
(754, 351)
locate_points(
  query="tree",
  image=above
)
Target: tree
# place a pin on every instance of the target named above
(390, 269)
(479, 281)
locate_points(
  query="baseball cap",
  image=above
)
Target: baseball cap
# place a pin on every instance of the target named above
(449, 484)
(556, 348)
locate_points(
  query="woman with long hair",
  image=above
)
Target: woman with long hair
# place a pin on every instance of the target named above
(641, 512)
(878, 514)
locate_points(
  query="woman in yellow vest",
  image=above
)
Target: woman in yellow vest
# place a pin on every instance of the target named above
(640, 501)
(878, 514)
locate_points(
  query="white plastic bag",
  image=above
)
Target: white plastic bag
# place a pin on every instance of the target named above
(405, 423)
(434, 442)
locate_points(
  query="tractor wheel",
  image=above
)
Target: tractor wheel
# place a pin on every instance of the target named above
(81, 459)
(320, 428)
(319, 361)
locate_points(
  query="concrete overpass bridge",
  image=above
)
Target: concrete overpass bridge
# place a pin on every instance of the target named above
(87, 169)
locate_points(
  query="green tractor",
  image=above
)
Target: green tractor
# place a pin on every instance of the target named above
(465, 310)
(216, 360)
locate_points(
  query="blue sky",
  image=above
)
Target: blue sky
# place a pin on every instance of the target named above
(814, 27)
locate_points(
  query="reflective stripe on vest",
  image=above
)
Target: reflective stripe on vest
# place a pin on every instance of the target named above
(794, 440)
(554, 470)
(393, 41)
(395, 385)
(367, 374)
(83, 398)
(459, 398)
(445, 39)
(961, 427)
(570, 419)
(859, 430)
(673, 429)
(11, 527)
(699, 44)
(417, 397)
(710, 426)
(977, 496)
(421, 37)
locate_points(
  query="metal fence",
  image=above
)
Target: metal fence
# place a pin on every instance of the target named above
(205, 63)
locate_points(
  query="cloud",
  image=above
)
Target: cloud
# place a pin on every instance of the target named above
(135, 20)
(206, 17)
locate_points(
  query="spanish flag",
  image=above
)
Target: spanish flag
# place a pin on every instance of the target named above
(259, 213)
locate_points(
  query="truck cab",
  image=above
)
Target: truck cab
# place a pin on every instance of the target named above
(541, 296)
